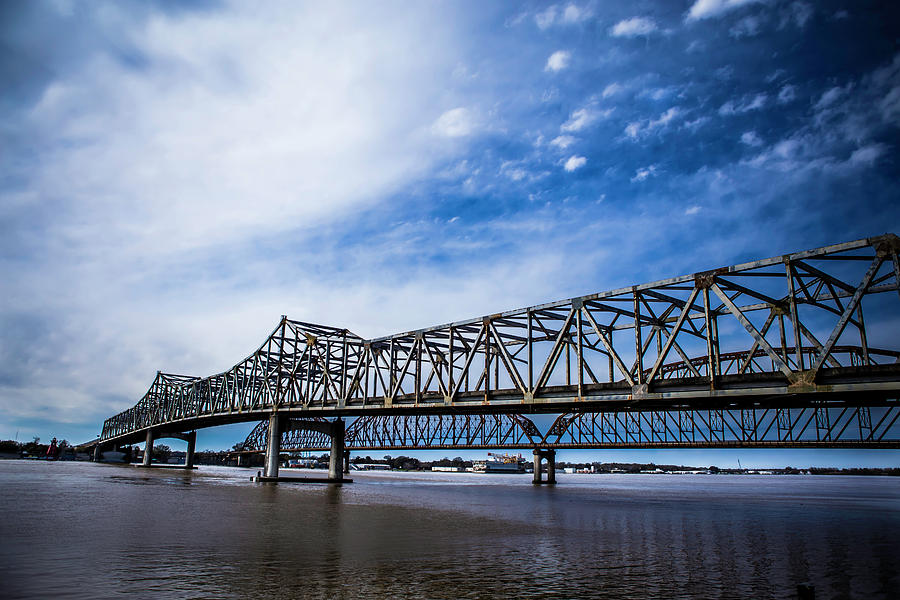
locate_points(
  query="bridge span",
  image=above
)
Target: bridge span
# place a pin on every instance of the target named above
(796, 350)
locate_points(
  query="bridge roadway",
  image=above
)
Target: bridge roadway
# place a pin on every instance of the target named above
(815, 330)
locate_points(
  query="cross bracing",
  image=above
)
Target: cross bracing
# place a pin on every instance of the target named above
(784, 332)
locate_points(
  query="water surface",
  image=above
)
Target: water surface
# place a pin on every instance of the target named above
(84, 530)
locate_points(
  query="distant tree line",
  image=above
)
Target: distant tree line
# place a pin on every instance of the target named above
(33, 448)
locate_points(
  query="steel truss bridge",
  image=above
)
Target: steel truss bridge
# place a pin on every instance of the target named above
(796, 350)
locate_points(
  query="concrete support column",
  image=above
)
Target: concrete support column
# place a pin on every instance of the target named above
(189, 455)
(96, 456)
(551, 466)
(240, 460)
(346, 461)
(273, 445)
(335, 461)
(539, 455)
(537, 466)
(148, 449)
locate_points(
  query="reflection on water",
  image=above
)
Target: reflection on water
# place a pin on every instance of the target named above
(81, 530)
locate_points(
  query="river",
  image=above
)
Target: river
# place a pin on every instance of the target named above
(85, 530)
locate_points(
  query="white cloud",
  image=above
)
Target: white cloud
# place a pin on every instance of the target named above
(563, 141)
(775, 75)
(746, 27)
(611, 90)
(571, 14)
(574, 14)
(890, 105)
(886, 80)
(787, 148)
(692, 210)
(659, 93)
(242, 124)
(637, 129)
(230, 128)
(456, 122)
(558, 61)
(574, 162)
(643, 173)
(724, 73)
(746, 105)
(867, 155)
(830, 96)
(581, 118)
(696, 123)
(633, 27)
(665, 118)
(750, 138)
(704, 9)
(787, 94)
(546, 18)
(797, 13)
(695, 46)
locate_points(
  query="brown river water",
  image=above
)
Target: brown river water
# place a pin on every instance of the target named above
(84, 530)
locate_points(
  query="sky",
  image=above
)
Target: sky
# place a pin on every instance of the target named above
(174, 177)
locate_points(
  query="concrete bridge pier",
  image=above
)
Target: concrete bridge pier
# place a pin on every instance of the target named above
(336, 459)
(346, 461)
(191, 446)
(539, 455)
(148, 449)
(273, 445)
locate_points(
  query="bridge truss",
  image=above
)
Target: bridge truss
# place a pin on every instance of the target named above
(809, 427)
(807, 330)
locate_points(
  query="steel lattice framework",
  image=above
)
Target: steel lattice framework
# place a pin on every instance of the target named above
(784, 332)
(409, 432)
(809, 427)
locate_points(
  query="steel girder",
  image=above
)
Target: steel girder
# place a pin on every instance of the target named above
(788, 330)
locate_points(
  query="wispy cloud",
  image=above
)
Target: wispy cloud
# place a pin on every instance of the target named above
(583, 117)
(562, 141)
(746, 27)
(633, 27)
(750, 138)
(456, 122)
(787, 94)
(636, 129)
(705, 9)
(611, 90)
(868, 154)
(562, 15)
(747, 104)
(643, 173)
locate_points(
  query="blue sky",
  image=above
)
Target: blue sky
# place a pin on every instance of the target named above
(173, 178)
